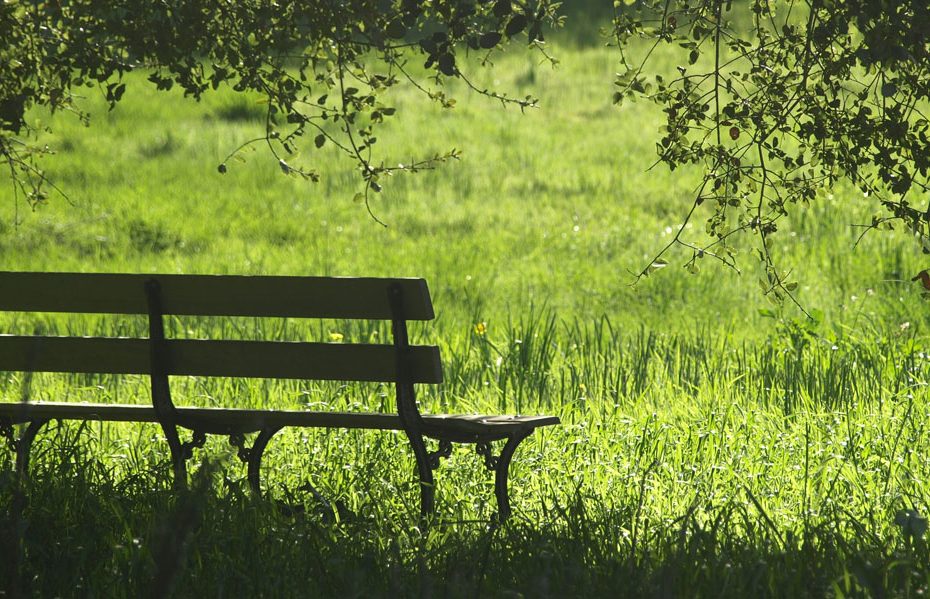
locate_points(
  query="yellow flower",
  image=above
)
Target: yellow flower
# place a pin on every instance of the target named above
(336, 337)
(481, 328)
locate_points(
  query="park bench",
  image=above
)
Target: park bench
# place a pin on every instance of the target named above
(405, 365)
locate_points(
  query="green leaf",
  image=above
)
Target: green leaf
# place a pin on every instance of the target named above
(489, 40)
(396, 29)
(516, 25)
(502, 8)
(447, 64)
(656, 265)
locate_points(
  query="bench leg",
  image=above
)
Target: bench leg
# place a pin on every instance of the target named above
(23, 444)
(425, 474)
(255, 458)
(178, 453)
(500, 465)
(184, 453)
(252, 456)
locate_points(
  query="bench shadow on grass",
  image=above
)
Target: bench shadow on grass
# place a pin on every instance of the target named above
(77, 529)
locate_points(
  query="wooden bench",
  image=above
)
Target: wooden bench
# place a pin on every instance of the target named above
(404, 365)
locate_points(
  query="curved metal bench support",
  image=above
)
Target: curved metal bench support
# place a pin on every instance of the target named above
(425, 474)
(252, 456)
(161, 389)
(500, 465)
(407, 409)
(255, 457)
(23, 444)
(444, 451)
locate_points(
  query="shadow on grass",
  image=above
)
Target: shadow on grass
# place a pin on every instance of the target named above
(82, 531)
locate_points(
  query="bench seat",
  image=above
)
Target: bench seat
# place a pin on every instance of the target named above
(227, 421)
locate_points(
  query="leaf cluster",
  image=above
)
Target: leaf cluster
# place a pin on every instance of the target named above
(778, 101)
(322, 67)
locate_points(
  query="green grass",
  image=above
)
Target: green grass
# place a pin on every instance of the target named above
(705, 449)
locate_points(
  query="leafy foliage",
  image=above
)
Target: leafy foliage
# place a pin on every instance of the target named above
(779, 100)
(322, 67)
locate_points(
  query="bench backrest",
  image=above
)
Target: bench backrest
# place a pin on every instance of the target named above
(397, 300)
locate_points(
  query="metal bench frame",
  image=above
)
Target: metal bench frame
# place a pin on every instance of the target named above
(235, 423)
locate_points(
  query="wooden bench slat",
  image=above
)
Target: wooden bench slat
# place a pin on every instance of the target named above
(480, 422)
(218, 420)
(249, 359)
(213, 295)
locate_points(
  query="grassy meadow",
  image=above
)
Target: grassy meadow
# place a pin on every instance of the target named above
(712, 444)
